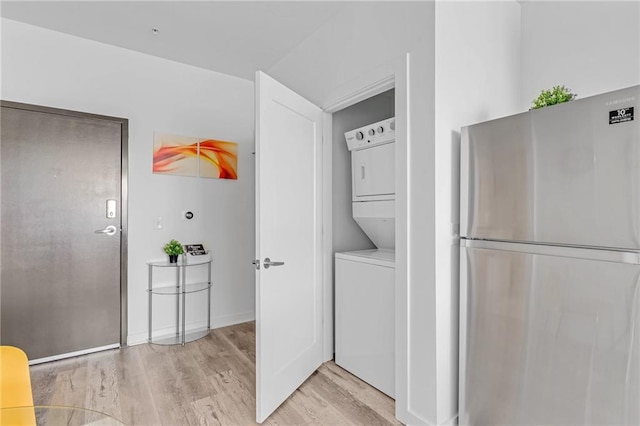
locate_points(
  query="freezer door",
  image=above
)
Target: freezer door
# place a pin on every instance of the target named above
(548, 340)
(567, 174)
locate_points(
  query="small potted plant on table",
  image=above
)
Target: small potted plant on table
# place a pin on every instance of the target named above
(173, 248)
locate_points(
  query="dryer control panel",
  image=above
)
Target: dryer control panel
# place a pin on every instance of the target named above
(371, 135)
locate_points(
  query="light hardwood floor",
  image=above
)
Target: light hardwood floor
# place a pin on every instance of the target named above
(208, 382)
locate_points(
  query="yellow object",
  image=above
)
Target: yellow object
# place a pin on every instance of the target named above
(15, 387)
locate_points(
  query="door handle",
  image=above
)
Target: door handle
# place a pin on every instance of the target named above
(268, 262)
(109, 230)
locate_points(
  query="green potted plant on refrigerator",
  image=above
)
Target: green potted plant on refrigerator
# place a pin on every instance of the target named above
(553, 96)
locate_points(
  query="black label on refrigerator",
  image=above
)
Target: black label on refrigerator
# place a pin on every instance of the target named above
(621, 115)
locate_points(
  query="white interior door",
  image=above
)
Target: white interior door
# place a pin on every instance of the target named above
(288, 229)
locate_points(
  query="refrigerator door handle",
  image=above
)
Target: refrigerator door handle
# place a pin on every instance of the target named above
(634, 321)
(462, 339)
(466, 193)
(635, 202)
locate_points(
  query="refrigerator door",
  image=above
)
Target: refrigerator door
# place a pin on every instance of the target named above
(548, 335)
(567, 174)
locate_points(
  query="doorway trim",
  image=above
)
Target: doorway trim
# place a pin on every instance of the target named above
(366, 92)
(124, 183)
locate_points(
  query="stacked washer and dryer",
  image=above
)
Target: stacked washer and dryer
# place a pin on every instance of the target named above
(365, 279)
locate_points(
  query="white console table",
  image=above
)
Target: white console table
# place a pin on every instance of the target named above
(180, 292)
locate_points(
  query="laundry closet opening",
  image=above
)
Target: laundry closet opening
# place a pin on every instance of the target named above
(363, 239)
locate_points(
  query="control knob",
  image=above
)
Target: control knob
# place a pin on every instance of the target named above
(371, 132)
(359, 136)
(380, 129)
(392, 125)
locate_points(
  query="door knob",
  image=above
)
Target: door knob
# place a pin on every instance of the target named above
(268, 262)
(109, 230)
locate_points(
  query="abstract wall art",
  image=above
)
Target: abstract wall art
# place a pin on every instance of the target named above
(175, 155)
(188, 156)
(218, 159)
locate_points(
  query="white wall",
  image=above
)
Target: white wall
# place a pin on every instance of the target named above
(589, 46)
(48, 68)
(351, 47)
(477, 79)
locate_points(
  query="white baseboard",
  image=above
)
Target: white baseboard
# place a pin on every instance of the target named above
(232, 319)
(218, 322)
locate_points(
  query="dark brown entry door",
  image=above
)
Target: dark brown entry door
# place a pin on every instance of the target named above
(61, 231)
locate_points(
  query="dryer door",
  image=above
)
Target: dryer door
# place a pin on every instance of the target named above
(373, 171)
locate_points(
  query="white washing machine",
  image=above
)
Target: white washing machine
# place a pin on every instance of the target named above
(365, 316)
(365, 279)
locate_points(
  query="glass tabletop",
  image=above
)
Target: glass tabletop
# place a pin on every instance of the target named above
(167, 264)
(42, 415)
(189, 288)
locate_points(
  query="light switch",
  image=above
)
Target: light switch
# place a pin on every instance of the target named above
(157, 223)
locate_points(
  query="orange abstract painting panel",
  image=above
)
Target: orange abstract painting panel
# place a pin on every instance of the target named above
(175, 155)
(218, 159)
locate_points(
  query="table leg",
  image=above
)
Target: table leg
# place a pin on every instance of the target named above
(177, 302)
(209, 301)
(150, 302)
(184, 300)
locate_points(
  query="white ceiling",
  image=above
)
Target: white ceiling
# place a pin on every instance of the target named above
(232, 37)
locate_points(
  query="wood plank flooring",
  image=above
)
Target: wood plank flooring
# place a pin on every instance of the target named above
(208, 382)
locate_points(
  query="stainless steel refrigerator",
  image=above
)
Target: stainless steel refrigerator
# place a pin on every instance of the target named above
(550, 265)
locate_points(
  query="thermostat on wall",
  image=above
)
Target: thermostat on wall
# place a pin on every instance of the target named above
(196, 253)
